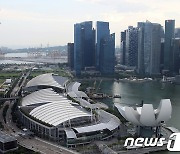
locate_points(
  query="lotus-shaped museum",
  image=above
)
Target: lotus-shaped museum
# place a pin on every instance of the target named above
(147, 115)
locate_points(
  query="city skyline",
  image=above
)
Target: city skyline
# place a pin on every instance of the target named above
(31, 23)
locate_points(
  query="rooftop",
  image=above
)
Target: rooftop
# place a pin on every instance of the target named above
(48, 79)
(52, 108)
(6, 138)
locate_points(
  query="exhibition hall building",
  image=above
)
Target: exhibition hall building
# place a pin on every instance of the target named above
(53, 108)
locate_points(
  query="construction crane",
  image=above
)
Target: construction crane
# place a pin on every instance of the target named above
(98, 86)
(94, 84)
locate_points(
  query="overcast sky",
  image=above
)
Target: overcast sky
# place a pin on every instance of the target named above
(30, 23)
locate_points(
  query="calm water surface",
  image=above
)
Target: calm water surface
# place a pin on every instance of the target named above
(149, 92)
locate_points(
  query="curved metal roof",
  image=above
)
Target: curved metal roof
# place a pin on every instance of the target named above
(56, 108)
(110, 122)
(146, 115)
(42, 96)
(80, 95)
(74, 92)
(57, 113)
(48, 79)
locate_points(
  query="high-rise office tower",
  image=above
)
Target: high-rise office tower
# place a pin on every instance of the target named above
(105, 53)
(70, 47)
(78, 48)
(176, 55)
(149, 48)
(84, 47)
(86, 54)
(162, 33)
(123, 47)
(141, 42)
(102, 33)
(169, 35)
(131, 46)
(94, 47)
(162, 49)
(177, 33)
(162, 55)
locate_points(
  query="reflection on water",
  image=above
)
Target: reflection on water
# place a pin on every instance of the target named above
(149, 92)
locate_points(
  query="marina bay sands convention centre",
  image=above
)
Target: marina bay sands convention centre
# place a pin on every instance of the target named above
(54, 108)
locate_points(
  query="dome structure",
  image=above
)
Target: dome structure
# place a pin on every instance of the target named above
(48, 79)
(147, 115)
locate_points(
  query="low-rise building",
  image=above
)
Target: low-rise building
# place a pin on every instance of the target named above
(7, 143)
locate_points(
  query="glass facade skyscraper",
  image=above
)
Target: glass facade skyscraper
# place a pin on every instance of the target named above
(94, 47)
(84, 46)
(169, 36)
(107, 55)
(176, 55)
(149, 48)
(123, 46)
(177, 33)
(131, 46)
(105, 52)
(102, 33)
(70, 47)
(89, 45)
(78, 48)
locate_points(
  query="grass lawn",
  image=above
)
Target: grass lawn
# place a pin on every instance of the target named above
(5, 75)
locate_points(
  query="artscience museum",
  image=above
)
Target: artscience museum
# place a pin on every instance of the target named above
(147, 119)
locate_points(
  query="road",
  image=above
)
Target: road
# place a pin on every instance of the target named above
(2, 84)
(144, 150)
(35, 144)
(42, 146)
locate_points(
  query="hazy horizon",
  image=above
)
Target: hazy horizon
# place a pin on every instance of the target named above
(31, 23)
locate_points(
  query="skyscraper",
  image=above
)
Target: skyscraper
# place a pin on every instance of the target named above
(149, 48)
(102, 33)
(162, 55)
(177, 33)
(86, 54)
(141, 42)
(70, 47)
(123, 47)
(176, 55)
(169, 35)
(78, 48)
(88, 43)
(131, 46)
(84, 47)
(107, 55)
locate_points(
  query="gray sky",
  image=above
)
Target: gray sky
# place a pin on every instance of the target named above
(30, 23)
